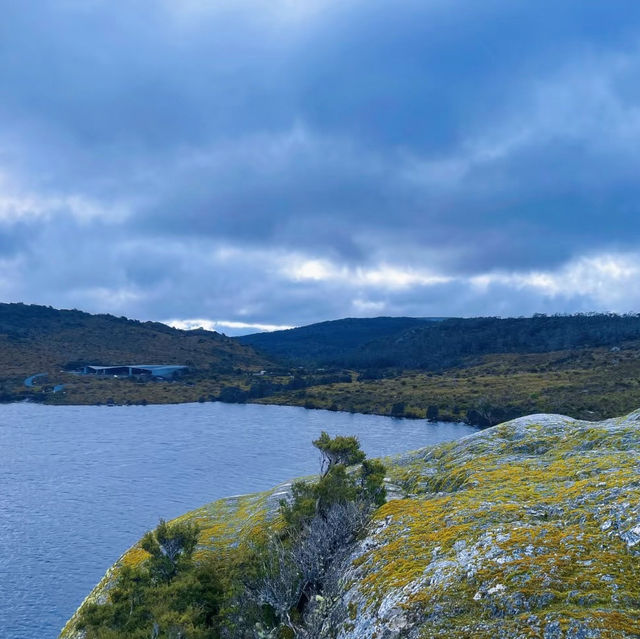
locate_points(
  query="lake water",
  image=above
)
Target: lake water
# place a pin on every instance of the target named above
(80, 484)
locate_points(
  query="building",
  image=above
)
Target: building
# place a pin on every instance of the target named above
(129, 370)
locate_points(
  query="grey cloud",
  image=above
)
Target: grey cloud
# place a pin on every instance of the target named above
(457, 137)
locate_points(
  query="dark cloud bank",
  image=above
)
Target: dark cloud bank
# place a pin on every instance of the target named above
(282, 163)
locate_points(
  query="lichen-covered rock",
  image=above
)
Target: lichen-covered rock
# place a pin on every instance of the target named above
(527, 529)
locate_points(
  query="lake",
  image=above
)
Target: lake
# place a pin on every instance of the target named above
(80, 484)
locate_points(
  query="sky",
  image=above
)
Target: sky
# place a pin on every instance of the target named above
(249, 165)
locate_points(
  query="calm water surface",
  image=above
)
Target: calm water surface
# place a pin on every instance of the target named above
(80, 484)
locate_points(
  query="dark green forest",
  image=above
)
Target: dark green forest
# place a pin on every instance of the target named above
(406, 343)
(328, 342)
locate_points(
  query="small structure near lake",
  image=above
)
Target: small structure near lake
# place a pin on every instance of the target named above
(164, 371)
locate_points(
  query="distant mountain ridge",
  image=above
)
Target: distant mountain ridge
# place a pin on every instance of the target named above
(331, 341)
(415, 343)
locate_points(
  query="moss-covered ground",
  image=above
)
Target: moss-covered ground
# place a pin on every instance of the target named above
(527, 529)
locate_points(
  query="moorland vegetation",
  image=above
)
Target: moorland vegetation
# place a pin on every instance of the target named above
(479, 370)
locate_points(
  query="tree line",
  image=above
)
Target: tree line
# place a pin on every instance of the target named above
(452, 342)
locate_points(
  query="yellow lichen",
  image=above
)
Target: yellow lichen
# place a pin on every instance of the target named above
(134, 557)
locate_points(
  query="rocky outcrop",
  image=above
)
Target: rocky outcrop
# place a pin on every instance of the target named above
(528, 529)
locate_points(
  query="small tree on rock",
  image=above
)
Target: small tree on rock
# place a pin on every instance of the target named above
(169, 546)
(321, 522)
(339, 450)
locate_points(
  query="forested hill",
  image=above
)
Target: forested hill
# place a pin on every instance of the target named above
(332, 341)
(403, 366)
(418, 344)
(36, 339)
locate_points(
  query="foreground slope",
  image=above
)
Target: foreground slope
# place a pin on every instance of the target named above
(527, 529)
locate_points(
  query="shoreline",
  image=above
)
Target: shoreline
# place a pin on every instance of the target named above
(253, 403)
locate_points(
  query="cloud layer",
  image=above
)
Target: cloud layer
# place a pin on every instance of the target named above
(274, 164)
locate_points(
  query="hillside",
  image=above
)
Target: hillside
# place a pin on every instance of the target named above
(458, 341)
(412, 343)
(39, 339)
(481, 370)
(527, 529)
(593, 383)
(334, 342)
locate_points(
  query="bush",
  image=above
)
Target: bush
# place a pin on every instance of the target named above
(321, 522)
(232, 395)
(397, 409)
(168, 596)
(169, 546)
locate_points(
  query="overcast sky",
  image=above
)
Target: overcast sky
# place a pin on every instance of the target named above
(241, 164)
